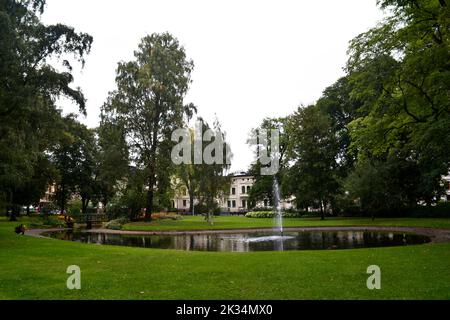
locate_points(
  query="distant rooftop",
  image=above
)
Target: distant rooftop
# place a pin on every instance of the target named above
(240, 174)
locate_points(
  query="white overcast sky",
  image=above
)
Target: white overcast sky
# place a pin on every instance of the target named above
(253, 58)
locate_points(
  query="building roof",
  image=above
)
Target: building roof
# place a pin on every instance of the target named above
(240, 174)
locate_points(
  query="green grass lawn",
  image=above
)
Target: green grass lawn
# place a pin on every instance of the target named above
(233, 222)
(33, 268)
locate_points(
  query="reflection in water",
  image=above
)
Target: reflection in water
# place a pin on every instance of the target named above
(245, 242)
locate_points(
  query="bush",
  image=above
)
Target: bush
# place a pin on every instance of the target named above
(74, 208)
(263, 209)
(116, 224)
(260, 214)
(441, 210)
(166, 216)
(271, 214)
(44, 222)
(203, 209)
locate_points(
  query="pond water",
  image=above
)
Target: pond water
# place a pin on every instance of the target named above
(252, 241)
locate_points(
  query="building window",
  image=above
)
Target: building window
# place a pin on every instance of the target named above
(184, 203)
(234, 203)
(229, 204)
(248, 189)
(243, 190)
(244, 204)
(233, 191)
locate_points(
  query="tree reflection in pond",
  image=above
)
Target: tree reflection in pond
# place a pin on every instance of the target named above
(246, 242)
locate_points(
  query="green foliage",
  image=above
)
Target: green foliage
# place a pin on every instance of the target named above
(271, 214)
(377, 141)
(312, 153)
(130, 197)
(341, 107)
(167, 216)
(29, 87)
(262, 189)
(74, 207)
(440, 210)
(111, 160)
(213, 183)
(400, 71)
(203, 209)
(148, 105)
(116, 224)
(46, 222)
(74, 158)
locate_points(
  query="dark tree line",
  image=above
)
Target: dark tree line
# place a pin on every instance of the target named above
(29, 86)
(378, 140)
(125, 163)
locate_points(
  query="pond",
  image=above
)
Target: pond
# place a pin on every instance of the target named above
(247, 242)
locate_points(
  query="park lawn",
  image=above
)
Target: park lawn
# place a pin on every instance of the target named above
(235, 222)
(34, 268)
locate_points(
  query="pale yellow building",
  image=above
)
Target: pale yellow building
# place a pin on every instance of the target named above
(237, 200)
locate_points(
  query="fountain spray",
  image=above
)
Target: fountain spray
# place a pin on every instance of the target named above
(277, 209)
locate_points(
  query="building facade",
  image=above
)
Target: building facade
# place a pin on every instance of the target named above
(237, 200)
(447, 195)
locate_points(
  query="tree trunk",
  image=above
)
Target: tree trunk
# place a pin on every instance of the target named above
(63, 200)
(150, 196)
(429, 203)
(322, 211)
(152, 164)
(28, 211)
(105, 205)
(13, 216)
(84, 205)
(209, 217)
(191, 202)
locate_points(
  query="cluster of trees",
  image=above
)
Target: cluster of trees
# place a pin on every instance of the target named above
(378, 140)
(30, 122)
(205, 182)
(147, 107)
(125, 162)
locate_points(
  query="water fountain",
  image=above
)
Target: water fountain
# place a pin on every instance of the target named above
(279, 237)
(277, 206)
(278, 215)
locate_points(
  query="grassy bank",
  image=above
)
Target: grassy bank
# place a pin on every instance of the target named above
(233, 222)
(35, 268)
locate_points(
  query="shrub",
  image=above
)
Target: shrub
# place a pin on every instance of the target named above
(203, 209)
(166, 216)
(265, 209)
(260, 214)
(116, 224)
(271, 214)
(44, 222)
(74, 207)
(440, 210)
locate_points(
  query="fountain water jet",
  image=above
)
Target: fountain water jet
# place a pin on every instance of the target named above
(278, 214)
(277, 206)
(279, 239)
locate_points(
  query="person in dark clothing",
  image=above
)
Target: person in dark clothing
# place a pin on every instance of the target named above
(20, 229)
